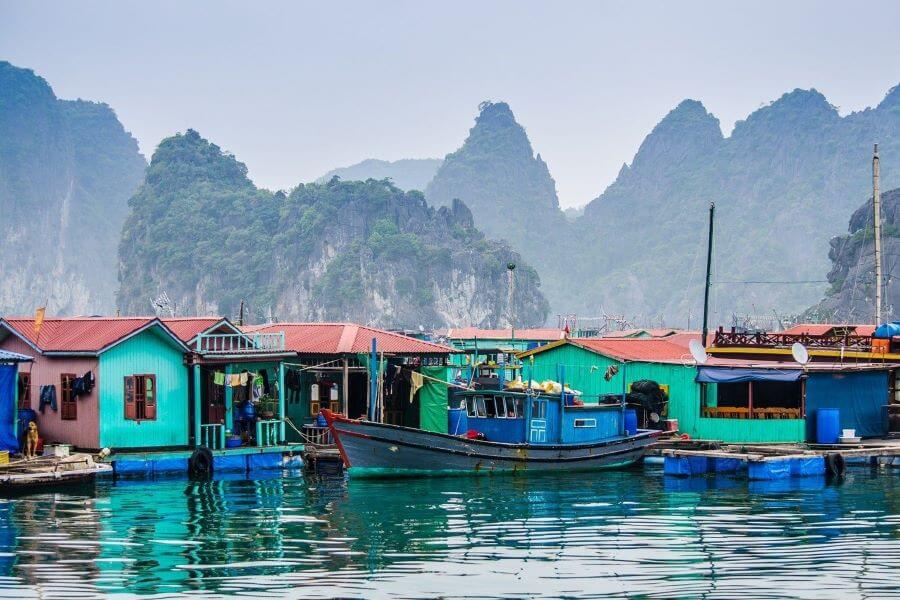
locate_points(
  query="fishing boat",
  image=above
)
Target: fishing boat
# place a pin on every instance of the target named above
(496, 431)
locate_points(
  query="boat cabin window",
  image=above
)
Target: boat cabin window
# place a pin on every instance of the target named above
(585, 423)
(513, 407)
(500, 404)
(480, 410)
(538, 409)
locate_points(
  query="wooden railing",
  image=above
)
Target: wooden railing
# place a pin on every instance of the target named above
(737, 412)
(212, 436)
(762, 339)
(268, 433)
(239, 343)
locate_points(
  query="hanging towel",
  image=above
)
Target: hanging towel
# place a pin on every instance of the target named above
(234, 380)
(417, 382)
(219, 378)
(244, 378)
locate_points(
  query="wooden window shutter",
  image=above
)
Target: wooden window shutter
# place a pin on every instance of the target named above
(150, 397)
(129, 397)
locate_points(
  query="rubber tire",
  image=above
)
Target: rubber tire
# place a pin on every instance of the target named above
(200, 463)
(835, 464)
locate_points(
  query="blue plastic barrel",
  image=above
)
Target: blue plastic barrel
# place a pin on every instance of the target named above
(457, 421)
(321, 421)
(828, 425)
(630, 421)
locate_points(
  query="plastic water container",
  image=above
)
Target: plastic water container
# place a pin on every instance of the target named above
(828, 425)
(457, 421)
(320, 420)
(630, 421)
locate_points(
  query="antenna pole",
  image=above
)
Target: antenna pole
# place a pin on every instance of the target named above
(709, 248)
(241, 314)
(876, 202)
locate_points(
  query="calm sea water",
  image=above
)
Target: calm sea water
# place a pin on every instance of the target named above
(625, 533)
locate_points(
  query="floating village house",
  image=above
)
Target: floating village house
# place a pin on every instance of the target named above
(332, 369)
(99, 382)
(493, 351)
(763, 397)
(236, 382)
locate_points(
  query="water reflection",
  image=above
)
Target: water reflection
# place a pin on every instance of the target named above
(618, 533)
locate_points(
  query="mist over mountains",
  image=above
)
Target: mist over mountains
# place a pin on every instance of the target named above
(429, 246)
(67, 169)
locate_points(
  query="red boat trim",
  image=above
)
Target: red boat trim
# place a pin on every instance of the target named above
(330, 418)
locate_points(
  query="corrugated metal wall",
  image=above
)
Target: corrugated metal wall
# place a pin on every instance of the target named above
(146, 353)
(81, 432)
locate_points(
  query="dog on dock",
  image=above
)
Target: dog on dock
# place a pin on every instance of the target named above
(31, 440)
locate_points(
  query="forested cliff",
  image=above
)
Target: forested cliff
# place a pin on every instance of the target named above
(362, 251)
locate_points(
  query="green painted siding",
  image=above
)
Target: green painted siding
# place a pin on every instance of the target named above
(684, 394)
(146, 353)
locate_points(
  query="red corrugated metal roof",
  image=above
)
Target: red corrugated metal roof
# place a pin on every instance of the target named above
(630, 333)
(637, 349)
(538, 334)
(343, 338)
(78, 334)
(187, 328)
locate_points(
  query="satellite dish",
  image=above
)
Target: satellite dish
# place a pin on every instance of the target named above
(800, 353)
(698, 352)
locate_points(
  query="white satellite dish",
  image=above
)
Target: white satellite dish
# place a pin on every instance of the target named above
(698, 351)
(800, 353)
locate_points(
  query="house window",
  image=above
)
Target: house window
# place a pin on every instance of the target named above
(68, 407)
(140, 397)
(755, 400)
(24, 391)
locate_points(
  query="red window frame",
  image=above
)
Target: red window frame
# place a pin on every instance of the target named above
(68, 407)
(24, 391)
(141, 396)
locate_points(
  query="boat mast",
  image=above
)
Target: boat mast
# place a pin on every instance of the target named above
(709, 247)
(876, 202)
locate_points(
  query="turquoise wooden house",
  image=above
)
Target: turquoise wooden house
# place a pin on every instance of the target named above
(102, 382)
(493, 352)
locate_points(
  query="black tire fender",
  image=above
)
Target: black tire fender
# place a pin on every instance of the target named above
(201, 462)
(835, 464)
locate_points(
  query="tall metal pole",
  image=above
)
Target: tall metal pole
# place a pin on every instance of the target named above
(876, 201)
(709, 249)
(510, 300)
(373, 380)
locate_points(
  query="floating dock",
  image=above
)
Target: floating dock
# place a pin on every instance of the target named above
(685, 458)
(231, 460)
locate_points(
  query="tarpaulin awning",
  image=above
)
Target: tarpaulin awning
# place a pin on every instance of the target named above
(733, 375)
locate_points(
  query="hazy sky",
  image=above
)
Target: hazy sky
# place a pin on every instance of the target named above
(294, 89)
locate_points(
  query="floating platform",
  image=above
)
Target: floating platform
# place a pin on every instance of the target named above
(50, 471)
(231, 460)
(763, 462)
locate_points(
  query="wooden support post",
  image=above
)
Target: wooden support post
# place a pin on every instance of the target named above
(282, 394)
(345, 388)
(749, 399)
(197, 387)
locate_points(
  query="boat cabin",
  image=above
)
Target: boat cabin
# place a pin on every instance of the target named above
(518, 417)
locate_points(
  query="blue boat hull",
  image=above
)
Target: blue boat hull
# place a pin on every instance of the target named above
(376, 449)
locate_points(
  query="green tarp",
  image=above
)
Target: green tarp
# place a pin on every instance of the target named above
(433, 401)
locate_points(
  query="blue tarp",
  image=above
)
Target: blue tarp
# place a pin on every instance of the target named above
(861, 398)
(732, 375)
(886, 331)
(8, 439)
